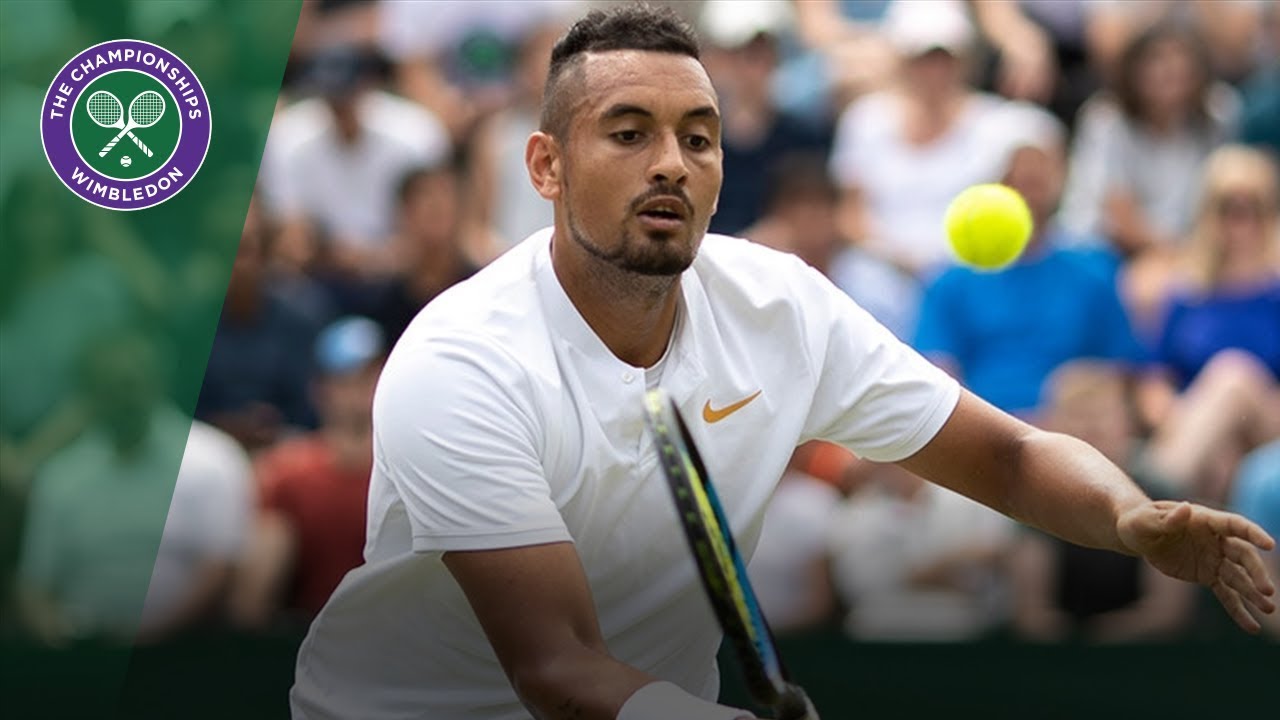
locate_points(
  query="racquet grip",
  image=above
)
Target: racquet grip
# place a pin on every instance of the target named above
(107, 149)
(141, 145)
(794, 704)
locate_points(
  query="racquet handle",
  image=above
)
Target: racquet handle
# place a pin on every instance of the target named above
(794, 704)
(103, 152)
(141, 145)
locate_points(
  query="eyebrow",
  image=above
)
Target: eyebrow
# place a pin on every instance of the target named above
(623, 109)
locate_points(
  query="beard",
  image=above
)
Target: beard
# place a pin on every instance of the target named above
(658, 254)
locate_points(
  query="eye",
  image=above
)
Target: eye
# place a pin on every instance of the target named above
(698, 142)
(627, 137)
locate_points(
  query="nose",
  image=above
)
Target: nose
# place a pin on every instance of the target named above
(668, 164)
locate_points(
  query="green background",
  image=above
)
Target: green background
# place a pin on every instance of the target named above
(172, 261)
(161, 138)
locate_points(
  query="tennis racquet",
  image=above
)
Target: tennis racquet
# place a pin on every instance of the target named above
(723, 573)
(144, 111)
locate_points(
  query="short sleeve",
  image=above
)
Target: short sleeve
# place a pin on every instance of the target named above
(457, 435)
(875, 395)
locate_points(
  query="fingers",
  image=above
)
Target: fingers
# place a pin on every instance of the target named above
(1242, 553)
(1237, 579)
(1230, 600)
(1232, 525)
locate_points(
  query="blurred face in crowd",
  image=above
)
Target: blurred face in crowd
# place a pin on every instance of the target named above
(249, 265)
(121, 387)
(430, 212)
(934, 74)
(744, 73)
(535, 56)
(345, 405)
(1038, 174)
(1167, 79)
(1239, 213)
(636, 179)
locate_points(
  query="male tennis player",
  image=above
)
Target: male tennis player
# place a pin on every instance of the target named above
(523, 555)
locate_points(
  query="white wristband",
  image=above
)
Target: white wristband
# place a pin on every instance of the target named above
(664, 701)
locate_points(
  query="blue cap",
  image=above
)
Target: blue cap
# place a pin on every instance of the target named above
(349, 344)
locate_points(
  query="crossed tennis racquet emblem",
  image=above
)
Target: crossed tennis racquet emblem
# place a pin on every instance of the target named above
(145, 110)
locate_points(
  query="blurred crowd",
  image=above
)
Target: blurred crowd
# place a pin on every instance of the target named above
(1144, 317)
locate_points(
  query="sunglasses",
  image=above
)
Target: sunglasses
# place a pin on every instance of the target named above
(1240, 207)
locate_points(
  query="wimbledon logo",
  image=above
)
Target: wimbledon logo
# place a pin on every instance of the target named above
(125, 125)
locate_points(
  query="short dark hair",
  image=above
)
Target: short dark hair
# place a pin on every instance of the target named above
(635, 26)
(1128, 85)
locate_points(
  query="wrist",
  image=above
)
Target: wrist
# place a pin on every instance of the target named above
(660, 700)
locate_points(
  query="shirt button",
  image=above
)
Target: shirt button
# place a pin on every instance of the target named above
(628, 377)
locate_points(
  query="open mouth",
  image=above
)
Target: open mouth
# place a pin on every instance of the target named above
(663, 213)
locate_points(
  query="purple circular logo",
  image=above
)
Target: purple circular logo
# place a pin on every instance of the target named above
(125, 125)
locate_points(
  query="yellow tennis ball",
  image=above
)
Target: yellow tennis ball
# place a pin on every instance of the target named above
(988, 226)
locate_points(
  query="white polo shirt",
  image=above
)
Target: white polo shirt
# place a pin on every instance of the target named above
(502, 420)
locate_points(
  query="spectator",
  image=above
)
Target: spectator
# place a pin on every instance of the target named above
(1003, 333)
(1229, 28)
(1220, 339)
(430, 250)
(901, 155)
(789, 568)
(801, 218)
(1260, 118)
(1256, 495)
(1063, 591)
(53, 266)
(505, 207)
(741, 57)
(255, 382)
(99, 507)
(456, 59)
(1139, 150)
(915, 561)
(313, 488)
(332, 163)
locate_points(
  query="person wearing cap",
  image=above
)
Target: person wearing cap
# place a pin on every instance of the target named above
(742, 56)
(312, 488)
(332, 162)
(902, 154)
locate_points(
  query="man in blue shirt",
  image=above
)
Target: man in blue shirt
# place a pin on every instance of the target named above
(1003, 333)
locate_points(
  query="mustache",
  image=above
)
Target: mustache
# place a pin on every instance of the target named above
(664, 190)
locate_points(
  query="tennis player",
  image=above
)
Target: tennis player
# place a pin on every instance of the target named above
(523, 555)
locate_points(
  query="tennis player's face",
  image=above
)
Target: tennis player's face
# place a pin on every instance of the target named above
(642, 165)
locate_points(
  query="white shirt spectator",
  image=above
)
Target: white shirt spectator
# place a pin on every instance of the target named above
(878, 541)
(348, 190)
(906, 188)
(792, 543)
(95, 523)
(208, 516)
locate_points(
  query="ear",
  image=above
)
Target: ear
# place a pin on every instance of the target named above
(545, 164)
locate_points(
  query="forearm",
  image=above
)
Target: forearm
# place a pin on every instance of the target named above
(1067, 488)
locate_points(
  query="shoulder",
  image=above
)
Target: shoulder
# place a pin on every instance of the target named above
(871, 110)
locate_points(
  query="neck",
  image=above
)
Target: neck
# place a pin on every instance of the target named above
(1242, 270)
(632, 314)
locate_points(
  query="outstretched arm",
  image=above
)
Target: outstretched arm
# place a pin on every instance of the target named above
(535, 606)
(1065, 487)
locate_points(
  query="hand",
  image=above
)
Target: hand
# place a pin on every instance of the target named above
(1216, 549)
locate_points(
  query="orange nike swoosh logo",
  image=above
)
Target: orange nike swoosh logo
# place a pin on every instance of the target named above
(711, 415)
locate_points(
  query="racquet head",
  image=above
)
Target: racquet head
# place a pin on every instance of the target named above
(105, 109)
(720, 566)
(145, 109)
